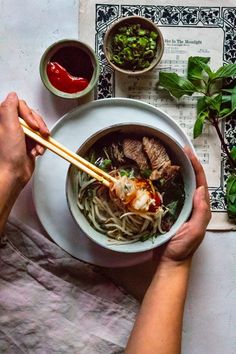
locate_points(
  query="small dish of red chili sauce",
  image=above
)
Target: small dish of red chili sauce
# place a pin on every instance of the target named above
(69, 69)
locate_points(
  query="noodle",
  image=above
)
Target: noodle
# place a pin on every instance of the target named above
(125, 227)
(109, 214)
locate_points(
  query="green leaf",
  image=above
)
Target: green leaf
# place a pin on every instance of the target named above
(227, 114)
(231, 196)
(215, 86)
(146, 173)
(104, 164)
(231, 210)
(176, 85)
(198, 126)
(228, 70)
(231, 97)
(172, 207)
(228, 90)
(233, 153)
(231, 185)
(215, 102)
(224, 112)
(196, 67)
(201, 104)
(145, 237)
(226, 98)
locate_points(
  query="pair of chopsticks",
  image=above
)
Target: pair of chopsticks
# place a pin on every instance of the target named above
(68, 155)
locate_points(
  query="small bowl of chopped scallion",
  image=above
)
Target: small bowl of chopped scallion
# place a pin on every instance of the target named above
(133, 45)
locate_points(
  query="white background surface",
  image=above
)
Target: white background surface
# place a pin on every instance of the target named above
(26, 29)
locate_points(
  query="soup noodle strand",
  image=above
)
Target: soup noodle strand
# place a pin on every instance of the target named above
(114, 221)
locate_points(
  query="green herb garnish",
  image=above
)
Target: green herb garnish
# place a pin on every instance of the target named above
(146, 173)
(172, 207)
(217, 101)
(104, 164)
(128, 172)
(134, 47)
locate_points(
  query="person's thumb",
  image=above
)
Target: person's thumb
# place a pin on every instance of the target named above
(201, 210)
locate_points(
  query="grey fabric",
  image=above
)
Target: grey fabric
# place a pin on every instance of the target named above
(52, 303)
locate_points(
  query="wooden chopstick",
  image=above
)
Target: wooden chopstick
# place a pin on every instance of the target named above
(68, 155)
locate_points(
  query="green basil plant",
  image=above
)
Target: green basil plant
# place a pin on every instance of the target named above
(217, 101)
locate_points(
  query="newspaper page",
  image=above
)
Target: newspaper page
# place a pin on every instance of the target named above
(203, 29)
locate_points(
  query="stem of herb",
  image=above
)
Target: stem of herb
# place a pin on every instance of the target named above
(215, 123)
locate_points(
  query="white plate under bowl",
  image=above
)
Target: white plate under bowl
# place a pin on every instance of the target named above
(50, 175)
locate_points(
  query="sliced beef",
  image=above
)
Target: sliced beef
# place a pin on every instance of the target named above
(170, 171)
(160, 161)
(117, 153)
(156, 153)
(133, 150)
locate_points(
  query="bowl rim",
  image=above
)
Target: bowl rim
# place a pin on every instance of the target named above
(54, 47)
(151, 245)
(119, 22)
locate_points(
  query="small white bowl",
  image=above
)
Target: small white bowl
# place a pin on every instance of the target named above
(178, 157)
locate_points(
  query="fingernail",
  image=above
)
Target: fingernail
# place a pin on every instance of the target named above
(41, 150)
(34, 152)
(11, 95)
(36, 124)
(201, 192)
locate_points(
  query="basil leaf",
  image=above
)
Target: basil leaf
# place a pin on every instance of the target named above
(215, 102)
(176, 85)
(231, 196)
(228, 70)
(124, 173)
(224, 112)
(172, 207)
(198, 126)
(196, 66)
(146, 173)
(104, 164)
(226, 99)
(231, 111)
(231, 210)
(145, 237)
(201, 104)
(228, 90)
(215, 86)
(233, 152)
(231, 97)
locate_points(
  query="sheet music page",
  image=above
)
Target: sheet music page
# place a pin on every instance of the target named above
(188, 30)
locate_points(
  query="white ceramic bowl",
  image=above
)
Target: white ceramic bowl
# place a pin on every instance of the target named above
(177, 156)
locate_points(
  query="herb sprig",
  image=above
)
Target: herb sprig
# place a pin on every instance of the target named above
(217, 101)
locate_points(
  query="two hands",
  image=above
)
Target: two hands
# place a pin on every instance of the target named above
(17, 160)
(159, 322)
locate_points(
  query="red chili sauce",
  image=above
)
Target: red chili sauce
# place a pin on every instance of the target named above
(143, 183)
(153, 207)
(70, 70)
